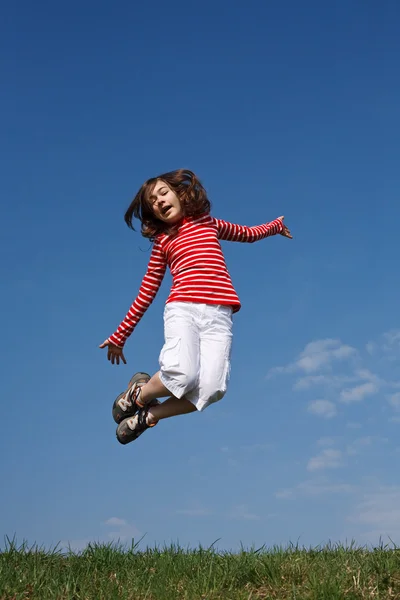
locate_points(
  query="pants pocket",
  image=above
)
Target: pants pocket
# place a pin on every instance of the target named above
(170, 354)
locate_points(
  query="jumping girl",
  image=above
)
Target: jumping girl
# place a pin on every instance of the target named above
(174, 212)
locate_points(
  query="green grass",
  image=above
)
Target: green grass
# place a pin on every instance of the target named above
(108, 572)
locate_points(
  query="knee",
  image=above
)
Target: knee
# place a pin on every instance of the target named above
(178, 381)
(187, 380)
(213, 390)
(176, 368)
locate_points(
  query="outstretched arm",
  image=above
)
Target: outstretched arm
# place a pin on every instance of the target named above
(149, 287)
(241, 233)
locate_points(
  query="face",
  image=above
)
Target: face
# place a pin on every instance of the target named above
(165, 203)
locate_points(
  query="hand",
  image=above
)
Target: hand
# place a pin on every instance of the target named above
(285, 232)
(114, 353)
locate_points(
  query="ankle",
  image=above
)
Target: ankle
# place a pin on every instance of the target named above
(142, 399)
(151, 419)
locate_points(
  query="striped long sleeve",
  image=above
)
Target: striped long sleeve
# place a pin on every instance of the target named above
(197, 264)
(242, 233)
(149, 287)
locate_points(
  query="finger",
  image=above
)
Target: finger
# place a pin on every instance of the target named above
(104, 344)
(281, 218)
(123, 358)
(117, 359)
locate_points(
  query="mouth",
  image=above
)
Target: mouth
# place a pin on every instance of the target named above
(165, 210)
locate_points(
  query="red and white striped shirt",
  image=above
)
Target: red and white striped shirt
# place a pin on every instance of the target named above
(197, 266)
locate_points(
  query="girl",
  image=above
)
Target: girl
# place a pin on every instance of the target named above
(174, 212)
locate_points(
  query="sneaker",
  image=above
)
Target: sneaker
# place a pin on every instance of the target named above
(125, 404)
(131, 428)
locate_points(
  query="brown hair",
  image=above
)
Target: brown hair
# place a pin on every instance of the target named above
(186, 186)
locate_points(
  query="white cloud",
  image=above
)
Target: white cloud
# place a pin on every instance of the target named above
(328, 459)
(242, 512)
(115, 522)
(316, 487)
(377, 513)
(319, 356)
(359, 444)
(322, 408)
(358, 393)
(331, 381)
(123, 529)
(325, 442)
(341, 376)
(391, 340)
(367, 375)
(316, 356)
(284, 494)
(305, 383)
(322, 353)
(387, 347)
(380, 509)
(394, 400)
(335, 381)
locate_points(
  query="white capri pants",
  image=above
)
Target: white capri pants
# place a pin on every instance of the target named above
(195, 358)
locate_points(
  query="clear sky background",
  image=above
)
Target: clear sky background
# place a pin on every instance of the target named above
(280, 108)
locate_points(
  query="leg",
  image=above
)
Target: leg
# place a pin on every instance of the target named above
(179, 362)
(153, 389)
(142, 391)
(179, 373)
(124, 405)
(215, 352)
(170, 408)
(130, 429)
(179, 357)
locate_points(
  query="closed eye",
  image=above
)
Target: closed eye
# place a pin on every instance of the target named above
(162, 192)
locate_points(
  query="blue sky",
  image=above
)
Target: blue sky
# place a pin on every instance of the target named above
(280, 108)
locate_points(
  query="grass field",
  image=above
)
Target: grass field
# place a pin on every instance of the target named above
(108, 572)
